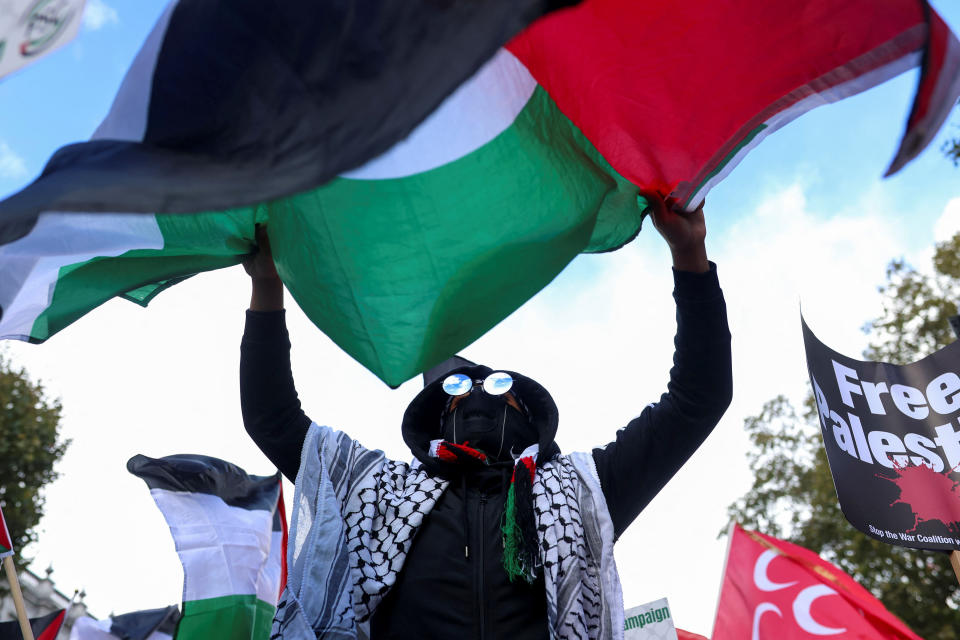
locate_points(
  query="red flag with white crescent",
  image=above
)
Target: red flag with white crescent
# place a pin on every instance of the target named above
(775, 589)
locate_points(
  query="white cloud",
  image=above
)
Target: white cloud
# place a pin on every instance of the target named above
(12, 165)
(949, 221)
(99, 14)
(784, 255)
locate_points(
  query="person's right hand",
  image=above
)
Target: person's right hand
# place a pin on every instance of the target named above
(259, 264)
(267, 289)
(684, 233)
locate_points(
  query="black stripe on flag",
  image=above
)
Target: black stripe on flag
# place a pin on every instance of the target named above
(44, 627)
(204, 474)
(254, 100)
(138, 625)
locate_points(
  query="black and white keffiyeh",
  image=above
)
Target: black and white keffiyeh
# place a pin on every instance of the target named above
(356, 512)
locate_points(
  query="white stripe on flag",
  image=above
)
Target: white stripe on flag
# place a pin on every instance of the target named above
(225, 550)
(89, 629)
(477, 112)
(31, 265)
(270, 576)
(85, 628)
(127, 118)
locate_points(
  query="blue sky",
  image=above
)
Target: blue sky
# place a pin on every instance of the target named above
(806, 216)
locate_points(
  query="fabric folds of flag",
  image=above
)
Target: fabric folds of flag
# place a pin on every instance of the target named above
(149, 624)
(6, 544)
(773, 588)
(223, 525)
(551, 149)
(44, 627)
(233, 102)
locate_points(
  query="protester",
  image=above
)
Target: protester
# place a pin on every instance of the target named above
(490, 532)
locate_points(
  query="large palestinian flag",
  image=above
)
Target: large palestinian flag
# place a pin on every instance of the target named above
(549, 150)
(223, 525)
(44, 627)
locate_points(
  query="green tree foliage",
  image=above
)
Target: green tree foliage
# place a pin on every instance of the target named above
(792, 496)
(917, 308)
(29, 448)
(951, 148)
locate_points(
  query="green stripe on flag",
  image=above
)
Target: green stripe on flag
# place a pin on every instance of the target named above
(191, 244)
(239, 617)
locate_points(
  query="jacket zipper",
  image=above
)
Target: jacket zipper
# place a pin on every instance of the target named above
(480, 546)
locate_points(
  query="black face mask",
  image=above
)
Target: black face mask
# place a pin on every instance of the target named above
(489, 424)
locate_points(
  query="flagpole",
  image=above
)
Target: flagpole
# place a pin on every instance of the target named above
(730, 530)
(955, 563)
(17, 598)
(66, 613)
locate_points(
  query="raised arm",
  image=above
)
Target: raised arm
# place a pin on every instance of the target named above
(268, 399)
(653, 447)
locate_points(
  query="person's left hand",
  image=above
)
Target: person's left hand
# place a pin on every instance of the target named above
(266, 293)
(259, 264)
(684, 233)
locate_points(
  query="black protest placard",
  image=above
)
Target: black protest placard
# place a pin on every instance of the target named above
(892, 438)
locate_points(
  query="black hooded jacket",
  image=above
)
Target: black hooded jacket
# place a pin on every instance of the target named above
(453, 584)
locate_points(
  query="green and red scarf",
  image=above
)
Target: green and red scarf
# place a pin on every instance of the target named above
(520, 551)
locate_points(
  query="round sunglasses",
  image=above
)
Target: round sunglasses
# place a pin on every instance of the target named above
(497, 383)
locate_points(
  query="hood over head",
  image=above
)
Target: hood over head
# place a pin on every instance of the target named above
(422, 421)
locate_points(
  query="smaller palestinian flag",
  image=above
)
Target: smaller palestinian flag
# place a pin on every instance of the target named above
(44, 628)
(149, 624)
(224, 525)
(6, 545)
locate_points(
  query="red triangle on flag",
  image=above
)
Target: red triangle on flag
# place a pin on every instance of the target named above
(44, 628)
(48, 630)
